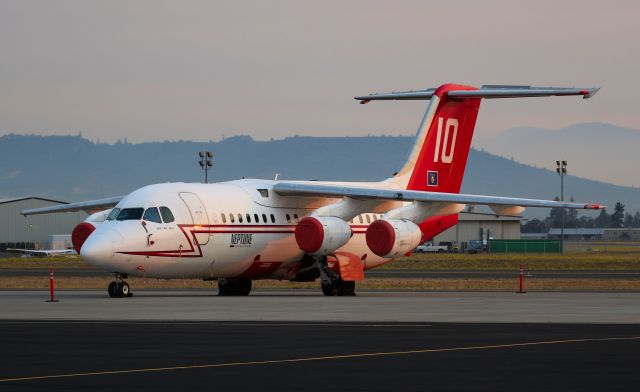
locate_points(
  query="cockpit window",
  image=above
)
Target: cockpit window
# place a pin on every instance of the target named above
(167, 216)
(130, 214)
(113, 214)
(152, 215)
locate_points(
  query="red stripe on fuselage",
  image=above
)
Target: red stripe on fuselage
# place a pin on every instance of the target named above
(194, 247)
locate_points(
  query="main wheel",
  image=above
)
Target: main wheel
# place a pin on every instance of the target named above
(224, 288)
(122, 290)
(111, 289)
(330, 289)
(243, 286)
(235, 286)
(346, 288)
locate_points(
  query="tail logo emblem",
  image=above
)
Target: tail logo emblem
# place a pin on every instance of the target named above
(432, 178)
(445, 154)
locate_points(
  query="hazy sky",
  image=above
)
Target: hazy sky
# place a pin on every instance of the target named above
(154, 70)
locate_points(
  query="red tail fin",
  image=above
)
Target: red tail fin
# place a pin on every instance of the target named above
(439, 156)
(443, 142)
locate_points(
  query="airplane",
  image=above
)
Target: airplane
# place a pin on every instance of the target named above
(44, 252)
(243, 230)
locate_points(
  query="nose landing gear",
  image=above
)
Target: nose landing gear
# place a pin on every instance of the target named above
(119, 288)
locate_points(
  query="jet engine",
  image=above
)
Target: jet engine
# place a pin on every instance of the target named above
(393, 237)
(80, 233)
(322, 235)
(83, 230)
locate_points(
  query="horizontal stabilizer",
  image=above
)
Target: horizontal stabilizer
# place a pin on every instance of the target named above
(489, 91)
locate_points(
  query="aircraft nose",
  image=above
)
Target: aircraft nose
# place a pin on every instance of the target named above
(98, 248)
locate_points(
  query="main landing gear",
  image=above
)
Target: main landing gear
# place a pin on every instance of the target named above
(331, 283)
(119, 288)
(234, 286)
(339, 287)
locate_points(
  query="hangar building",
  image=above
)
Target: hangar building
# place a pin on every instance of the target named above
(474, 226)
(36, 228)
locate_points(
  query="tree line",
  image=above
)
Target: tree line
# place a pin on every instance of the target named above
(619, 218)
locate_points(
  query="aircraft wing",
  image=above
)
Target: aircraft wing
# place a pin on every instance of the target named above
(495, 202)
(47, 252)
(88, 206)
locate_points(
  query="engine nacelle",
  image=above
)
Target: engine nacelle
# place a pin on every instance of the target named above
(80, 233)
(322, 235)
(83, 230)
(393, 237)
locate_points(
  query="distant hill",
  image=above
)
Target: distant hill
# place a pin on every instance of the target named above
(599, 151)
(72, 168)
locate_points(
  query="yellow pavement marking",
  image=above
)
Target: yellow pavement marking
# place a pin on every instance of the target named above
(323, 358)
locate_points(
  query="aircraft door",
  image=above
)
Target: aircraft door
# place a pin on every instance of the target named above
(198, 214)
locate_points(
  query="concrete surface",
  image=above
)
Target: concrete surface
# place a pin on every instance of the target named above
(302, 305)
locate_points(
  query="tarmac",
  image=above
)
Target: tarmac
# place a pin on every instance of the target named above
(264, 356)
(312, 306)
(167, 340)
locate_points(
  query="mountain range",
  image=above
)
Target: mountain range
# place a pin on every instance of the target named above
(72, 168)
(600, 151)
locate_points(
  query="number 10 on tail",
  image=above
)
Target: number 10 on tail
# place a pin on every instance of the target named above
(444, 151)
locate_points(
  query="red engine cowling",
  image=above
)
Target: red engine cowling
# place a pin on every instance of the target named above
(393, 237)
(322, 235)
(80, 233)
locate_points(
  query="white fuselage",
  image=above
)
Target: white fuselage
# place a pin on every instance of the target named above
(231, 229)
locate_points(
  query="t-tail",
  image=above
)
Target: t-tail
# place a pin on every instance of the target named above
(438, 158)
(439, 155)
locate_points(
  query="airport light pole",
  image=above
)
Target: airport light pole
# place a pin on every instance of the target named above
(561, 169)
(205, 163)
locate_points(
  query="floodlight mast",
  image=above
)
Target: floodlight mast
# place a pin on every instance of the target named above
(561, 169)
(205, 163)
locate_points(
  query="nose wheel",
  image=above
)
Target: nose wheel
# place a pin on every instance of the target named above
(119, 288)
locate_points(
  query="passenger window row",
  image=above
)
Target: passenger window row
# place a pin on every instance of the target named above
(249, 218)
(289, 218)
(256, 218)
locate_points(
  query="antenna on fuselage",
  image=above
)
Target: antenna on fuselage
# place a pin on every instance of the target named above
(276, 177)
